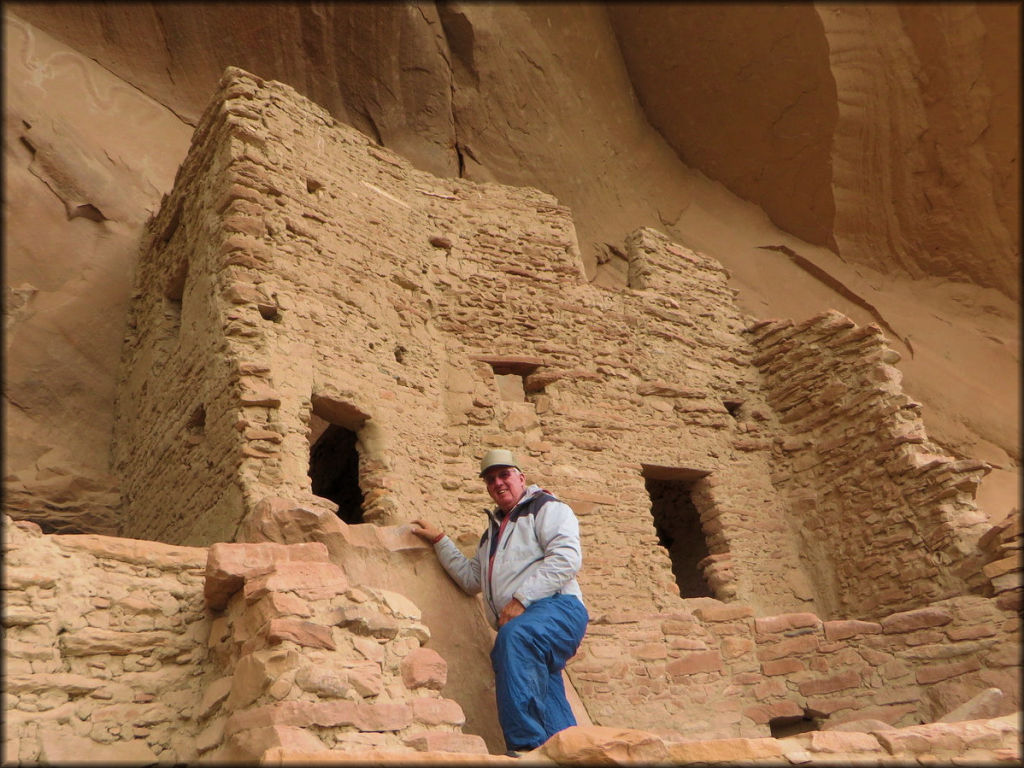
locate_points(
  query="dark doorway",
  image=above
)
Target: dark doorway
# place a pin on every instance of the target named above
(677, 523)
(334, 471)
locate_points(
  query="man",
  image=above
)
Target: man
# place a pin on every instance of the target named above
(525, 565)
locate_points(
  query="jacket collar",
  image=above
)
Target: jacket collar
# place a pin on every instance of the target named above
(496, 515)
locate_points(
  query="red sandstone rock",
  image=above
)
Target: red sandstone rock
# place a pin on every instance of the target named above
(771, 624)
(838, 682)
(724, 612)
(309, 580)
(699, 661)
(437, 711)
(842, 629)
(843, 741)
(440, 741)
(908, 621)
(228, 565)
(734, 751)
(424, 668)
(304, 633)
(984, 705)
(600, 745)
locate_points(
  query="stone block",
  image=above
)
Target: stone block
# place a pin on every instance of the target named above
(254, 672)
(699, 661)
(763, 713)
(932, 673)
(325, 682)
(844, 628)
(602, 745)
(782, 666)
(734, 751)
(723, 612)
(842, 681)
(843, 741)
(441, 741)
(908, 621)
(787, 647)
(772, 624)
(986, 704)
(308, 580)
(214, 694)
(365, 620)
(424, 668)
(429, 711)
(228, 565)
(383, 716)
(304, 633)
(251, 745)
(865, 725)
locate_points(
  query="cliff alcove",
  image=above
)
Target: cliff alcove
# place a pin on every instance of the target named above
(325, 328)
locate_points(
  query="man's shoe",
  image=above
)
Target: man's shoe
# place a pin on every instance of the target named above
(513, 753)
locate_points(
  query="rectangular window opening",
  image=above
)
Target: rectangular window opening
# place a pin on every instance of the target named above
(677, 523)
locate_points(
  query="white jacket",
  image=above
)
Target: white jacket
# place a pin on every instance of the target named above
(537, 554)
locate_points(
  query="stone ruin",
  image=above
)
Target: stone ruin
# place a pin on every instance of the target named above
(322, 343)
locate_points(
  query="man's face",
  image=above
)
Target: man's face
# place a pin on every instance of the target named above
(506, 486)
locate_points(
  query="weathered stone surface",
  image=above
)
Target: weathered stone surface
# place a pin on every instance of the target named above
(843, 742)
(437, 741)
(908, 621)
(309, 580)
(724, 750)
(984, 705)
(600, 745)
(244, 431)
(229, 565)
(305, 633)
(61, 747)
(424, 668)
(437, 711)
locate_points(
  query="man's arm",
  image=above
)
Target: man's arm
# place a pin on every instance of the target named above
(464, 571)
(558, 533)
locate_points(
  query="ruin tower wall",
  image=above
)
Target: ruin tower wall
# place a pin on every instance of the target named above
(856, 460)
(325, 281)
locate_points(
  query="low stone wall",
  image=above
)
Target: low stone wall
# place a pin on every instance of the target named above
(310, 662)
(104, 648)
(718, 672)
(129, 651)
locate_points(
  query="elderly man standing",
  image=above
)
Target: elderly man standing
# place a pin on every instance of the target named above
(525, 565)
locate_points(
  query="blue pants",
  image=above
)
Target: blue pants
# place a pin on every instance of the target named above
(529, 655)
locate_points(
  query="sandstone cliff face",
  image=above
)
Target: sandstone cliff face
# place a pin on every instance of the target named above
(886, 133)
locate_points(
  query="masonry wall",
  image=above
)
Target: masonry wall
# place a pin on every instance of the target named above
(342, 286)
(123, 651)
(857, 462)
(331, 283)
(104, 648)
(716, 671)
(133, 651)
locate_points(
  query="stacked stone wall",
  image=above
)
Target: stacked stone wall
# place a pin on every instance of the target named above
(328, 282)
(856, 457)
(104, 648)
(125, 651)
(348, 287)
(717, 672)
(311, 662)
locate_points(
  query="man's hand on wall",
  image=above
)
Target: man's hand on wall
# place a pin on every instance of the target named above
(425, 530)
(512, 609)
